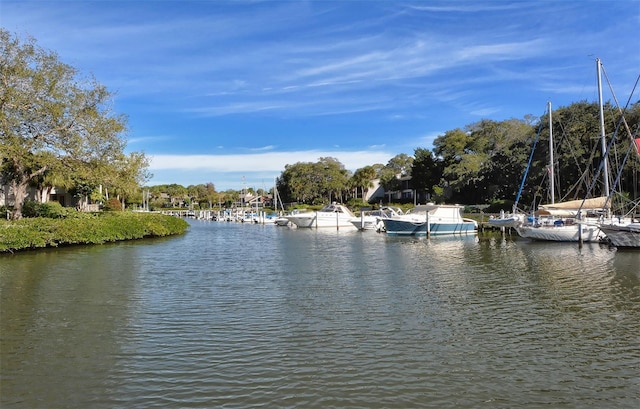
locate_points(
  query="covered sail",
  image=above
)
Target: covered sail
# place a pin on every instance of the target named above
(570, 208)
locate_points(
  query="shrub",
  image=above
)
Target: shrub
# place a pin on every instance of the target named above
(113, 205)
(4, 211)
(97, 228)
(51, 210)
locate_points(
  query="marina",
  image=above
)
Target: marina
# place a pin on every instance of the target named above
(253, 315)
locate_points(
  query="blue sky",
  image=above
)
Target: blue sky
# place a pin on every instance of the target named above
(230, 92)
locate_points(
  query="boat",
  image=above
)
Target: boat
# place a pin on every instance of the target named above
(575, 220)
(625, 236)
(513, 219)
(625, 232)
(372, 219)
(333, 215)
(571, 221)
(430, 219)
(517, 218)
(281, 221)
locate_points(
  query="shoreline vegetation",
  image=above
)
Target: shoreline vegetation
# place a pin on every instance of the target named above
(88, 228)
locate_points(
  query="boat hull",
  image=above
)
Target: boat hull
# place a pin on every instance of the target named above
(623, 236)
(320, 220)
(570, 233)
(282, 221)
(408, 228)
(369, 223)
(506, 222)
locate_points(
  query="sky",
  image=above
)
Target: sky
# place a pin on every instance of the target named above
(230, 92)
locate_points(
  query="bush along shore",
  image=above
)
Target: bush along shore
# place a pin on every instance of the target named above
(85, 228)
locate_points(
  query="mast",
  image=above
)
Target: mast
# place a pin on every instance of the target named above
(275, 194)
(603, 141)
(551, 170)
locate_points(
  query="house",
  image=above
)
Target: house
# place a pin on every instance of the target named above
(48, 194)
(405, 194)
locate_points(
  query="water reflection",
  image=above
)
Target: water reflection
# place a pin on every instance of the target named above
(248, 315)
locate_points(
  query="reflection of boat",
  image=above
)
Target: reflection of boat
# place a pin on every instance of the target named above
(372, 219)
(623, 235)
(333, 215)
(430, 219)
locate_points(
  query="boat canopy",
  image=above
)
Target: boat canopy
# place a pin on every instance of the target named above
(570, 208)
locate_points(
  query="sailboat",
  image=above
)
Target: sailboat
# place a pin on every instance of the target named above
(625, 233)
(517, 218)
(577, 220)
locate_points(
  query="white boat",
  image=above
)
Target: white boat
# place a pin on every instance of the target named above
(372, 219)
(281, 221)
(623, 235)
(564, 221)
(430, 219)
(284, 221)
(567, 230)
(576, 220)
(334, 215)
(507, 220)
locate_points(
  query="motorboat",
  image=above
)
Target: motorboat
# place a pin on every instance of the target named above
(334, 215)
(372, 219)
(430, 219)
(281, 221)
(284, 221)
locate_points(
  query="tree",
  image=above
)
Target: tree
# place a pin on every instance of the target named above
(49, 117)
(363, 178)
(309, 182)
(129, 173)
(397, 167)
(334, 180)
(426, 171)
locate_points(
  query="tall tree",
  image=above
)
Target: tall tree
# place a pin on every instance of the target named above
(397, 167)
(363, 178)
(49, 116)
(426, 171)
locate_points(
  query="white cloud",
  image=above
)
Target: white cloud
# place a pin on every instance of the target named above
(250, 170)
(264, 162)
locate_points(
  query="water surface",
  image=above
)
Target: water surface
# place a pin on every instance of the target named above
(239, 316)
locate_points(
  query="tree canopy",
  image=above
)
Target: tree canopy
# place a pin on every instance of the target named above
(58, 126)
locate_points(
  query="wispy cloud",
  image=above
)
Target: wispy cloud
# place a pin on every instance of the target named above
(286, 81)
(265, 162)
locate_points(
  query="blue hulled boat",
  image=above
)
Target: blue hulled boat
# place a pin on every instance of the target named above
(430, 219)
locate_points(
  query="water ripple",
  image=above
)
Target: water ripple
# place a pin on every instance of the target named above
(246, 316)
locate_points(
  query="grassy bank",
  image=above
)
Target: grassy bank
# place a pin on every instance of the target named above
(97, 228)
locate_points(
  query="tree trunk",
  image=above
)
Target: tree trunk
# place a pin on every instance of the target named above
(19, 193)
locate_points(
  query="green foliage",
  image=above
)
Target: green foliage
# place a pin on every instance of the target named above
(72, 140)
(426, 171)
(113, 204)
(52, 210)
(314, 183)
(97, 228)
(497, 205)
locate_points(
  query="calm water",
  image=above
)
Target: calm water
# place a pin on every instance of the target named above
(241, 316)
